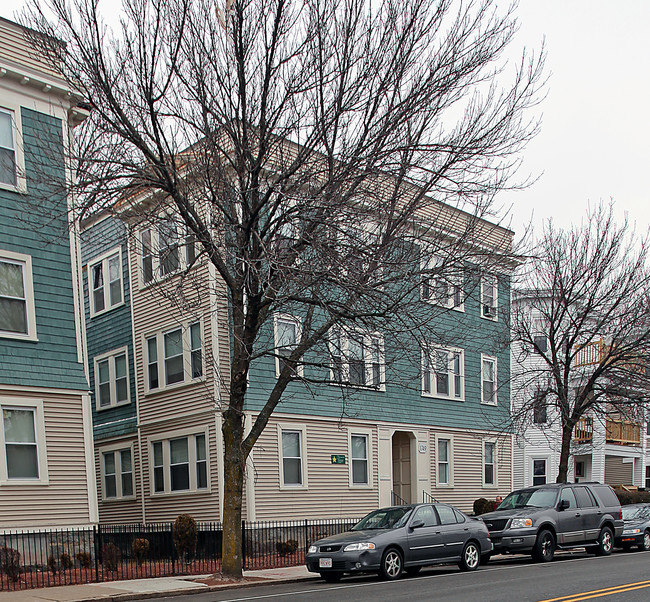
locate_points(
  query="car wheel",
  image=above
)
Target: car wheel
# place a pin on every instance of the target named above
(605, 542)
(544, 547)
(645, 546)
(413, 570)
(471, 557)
(391, 564)
(331, 577)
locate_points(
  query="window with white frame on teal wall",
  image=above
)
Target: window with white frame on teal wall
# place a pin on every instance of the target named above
(287, 334)
(105, 282)
(488, 380)
(443, 373)
(17, 307)
(489, 297)
(357, 358)
(112, 379)
(8, 163)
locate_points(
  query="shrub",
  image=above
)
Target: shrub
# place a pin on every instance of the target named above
(632, 497)
(185, 535)
(52, 563)
(140, 550)
(66, 561)
(482, 505)
(111, 557)
(85, 559)
(10, 563)
(286, 547)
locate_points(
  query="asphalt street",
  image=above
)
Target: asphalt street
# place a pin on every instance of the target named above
(570, 578)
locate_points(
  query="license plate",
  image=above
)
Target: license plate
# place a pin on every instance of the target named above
(324, 563)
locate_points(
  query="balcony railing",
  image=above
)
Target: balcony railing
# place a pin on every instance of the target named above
(623, 432)
(584, 431)
(590, 354)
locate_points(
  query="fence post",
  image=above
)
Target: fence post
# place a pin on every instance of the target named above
(243, 545)
(306, 537)
(97, 541)
(171, 531)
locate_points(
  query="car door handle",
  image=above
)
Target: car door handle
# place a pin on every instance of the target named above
(577, 513)
(466, 529)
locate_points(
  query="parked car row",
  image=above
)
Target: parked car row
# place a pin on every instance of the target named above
(535, 520)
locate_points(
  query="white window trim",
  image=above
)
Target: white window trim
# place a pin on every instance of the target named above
(36, 405)
(302, 429)
(492, 358)
(486, 280)
(533, 459)
(345, 364)
(103, 259)
(117, 447)
(187, 356)
(450, 439)
(21, 180)
(367, 433)
(28, 279)
(450, 350)
(154, 227)
(298, 323)
(455, 280)
(495, 464)
(165, 438)
(112, 380)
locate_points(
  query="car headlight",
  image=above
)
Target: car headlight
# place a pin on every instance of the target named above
(631, 531)
(520, 523)
(357, 547)
(312, 550)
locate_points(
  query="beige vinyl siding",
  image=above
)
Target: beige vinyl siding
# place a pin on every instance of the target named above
(202, 505)
(467, 468)
(328, 493)
(63, 502)
(120, 511)
(17, 50)
(618, 473)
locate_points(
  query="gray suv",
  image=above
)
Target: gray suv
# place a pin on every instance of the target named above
(538, 520)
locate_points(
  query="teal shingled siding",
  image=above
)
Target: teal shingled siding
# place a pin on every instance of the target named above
(402, 400)
(36, 224)
(110, 330)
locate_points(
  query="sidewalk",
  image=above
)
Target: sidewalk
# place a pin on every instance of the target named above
(151, 588)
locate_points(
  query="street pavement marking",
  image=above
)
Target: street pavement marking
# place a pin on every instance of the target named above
(598, 593)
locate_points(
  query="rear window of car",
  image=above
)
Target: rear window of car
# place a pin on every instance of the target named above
(606, 495)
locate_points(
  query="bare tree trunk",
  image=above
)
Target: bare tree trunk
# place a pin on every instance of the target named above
(563, 468)
(234, 468)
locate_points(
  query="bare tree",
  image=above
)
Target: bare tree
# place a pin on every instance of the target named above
(581, 328)
(308, 147)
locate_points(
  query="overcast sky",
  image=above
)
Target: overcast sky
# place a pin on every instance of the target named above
(595, 137)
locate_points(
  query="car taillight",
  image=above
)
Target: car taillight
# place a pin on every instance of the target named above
(620, 514)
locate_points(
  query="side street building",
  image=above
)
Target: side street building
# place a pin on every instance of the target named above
(160, 369)
(46, 463)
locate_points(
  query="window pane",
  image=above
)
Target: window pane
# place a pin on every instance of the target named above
(11, 280)
(443, 450)
(489, 453)
(19, 426)
(115, 279)
(359, 471)
(443, 473)
(13, 315)
(286, 333)
(196, 356)
(201, 475)
(120, 366)
(157, 453)
(158, 479)
(152, 362)
(109, 463)
(22, 461)
(110, 485)
(127, 484)
(292, 471)
(126, 460)
(180, 477)
(173, 344)
(200, 447)
(174, 370)
(290, 445)
(178, 451)
(7, 166)
(489, 474)
(359, 446)
(6, 130)
(147, 261)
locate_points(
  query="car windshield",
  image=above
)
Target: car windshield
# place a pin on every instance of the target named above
(632, 512)
(385, 518)
(529, 498)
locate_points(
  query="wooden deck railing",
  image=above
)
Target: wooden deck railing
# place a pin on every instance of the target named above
(590, 354)
(623, 432)
(584, 431)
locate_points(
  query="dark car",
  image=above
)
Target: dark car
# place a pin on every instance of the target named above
(537, 520)
(390, 540)
(636, 527)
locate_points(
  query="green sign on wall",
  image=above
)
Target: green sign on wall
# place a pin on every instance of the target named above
(338, 458)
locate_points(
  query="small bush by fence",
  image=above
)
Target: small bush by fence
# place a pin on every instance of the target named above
(114, 552)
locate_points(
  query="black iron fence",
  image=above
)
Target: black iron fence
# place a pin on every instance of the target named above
(31, 559)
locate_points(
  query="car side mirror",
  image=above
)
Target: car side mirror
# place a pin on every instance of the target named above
(564, 504)
(416, 524)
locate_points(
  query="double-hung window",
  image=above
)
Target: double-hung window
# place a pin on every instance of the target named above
(539, 408)
(443, 373)
(488, 380)
(8, 162)
(292, 441)
(22, 439)
(106, 282)
(180, 464)
(287, 335)
(174, 356)
(165, 249)
(112, 379)
(359, 459)
(489, 297)
(539, 472)
(357, 358)
(489, 463)
(443, 448)
(118, 473)
(442, 284)
(17, 311)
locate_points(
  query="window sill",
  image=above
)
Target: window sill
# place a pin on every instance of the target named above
(24, 482)
(185, 492)
(179, 385)
(442, 397)
(458, 308)
(19, 337)
(107, 310)
(117, 500)
(379, 389)
(112, 406)
(20, 188)
(294, 488)
(489, 403)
